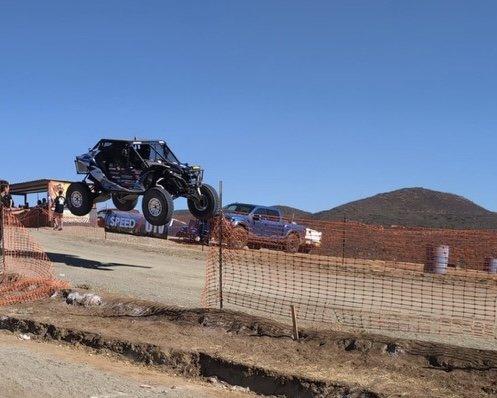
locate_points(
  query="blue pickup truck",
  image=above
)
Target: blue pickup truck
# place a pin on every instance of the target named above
(260, 226)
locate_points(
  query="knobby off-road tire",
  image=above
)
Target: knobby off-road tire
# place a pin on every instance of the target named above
(79, 199)
(157, 206)
(123, 205)
(208, 206)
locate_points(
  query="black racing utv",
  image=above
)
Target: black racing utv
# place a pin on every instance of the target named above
(124, 170)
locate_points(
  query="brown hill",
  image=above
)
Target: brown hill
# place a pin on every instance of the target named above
(410, 207)
(417, 207)
(293, 212)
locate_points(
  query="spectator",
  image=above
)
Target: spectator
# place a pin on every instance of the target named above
(58, 209)
(5, 197)
(5, 202)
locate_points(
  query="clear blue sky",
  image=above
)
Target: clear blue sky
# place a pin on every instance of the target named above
(305, 103)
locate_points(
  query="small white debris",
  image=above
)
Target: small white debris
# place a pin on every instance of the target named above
(239, 388)
(62, 275)
(54, 295)
(25, 336)
(86, 300)
(145, 386)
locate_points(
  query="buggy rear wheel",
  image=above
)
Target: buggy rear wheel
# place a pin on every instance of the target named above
(157, 206)
(207, 206)
(123, 205)
(79, 199)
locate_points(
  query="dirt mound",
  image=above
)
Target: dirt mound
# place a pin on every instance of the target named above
(260, 354)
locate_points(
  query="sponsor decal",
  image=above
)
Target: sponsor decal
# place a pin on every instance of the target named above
(122, 222)
(133, 223)
(154, 229)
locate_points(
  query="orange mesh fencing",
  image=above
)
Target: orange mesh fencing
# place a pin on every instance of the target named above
(26, 270)
(359, 276)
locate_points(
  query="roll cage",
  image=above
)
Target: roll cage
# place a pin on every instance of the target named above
(165, 155)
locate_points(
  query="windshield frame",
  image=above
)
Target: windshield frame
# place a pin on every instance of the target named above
(168, 156)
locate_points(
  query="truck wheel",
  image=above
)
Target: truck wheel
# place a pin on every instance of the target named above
(79, 199)
(238, 238)
(208, 206)
(123, 205)
(157, 206)
(292, 243)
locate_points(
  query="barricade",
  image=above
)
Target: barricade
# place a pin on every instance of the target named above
(26, 272)
(360, 276)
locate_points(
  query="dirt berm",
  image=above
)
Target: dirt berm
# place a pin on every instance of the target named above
(258, 353)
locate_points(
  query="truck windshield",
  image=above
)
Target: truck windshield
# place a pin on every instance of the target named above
(239, 208)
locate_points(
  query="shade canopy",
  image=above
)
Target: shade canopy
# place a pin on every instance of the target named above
(29, 187)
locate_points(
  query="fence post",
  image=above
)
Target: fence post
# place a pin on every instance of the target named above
(294, 322)
(221, 221)
(343, 239)
(2, 236)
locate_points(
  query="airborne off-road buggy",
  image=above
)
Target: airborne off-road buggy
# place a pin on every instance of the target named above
(124, 170)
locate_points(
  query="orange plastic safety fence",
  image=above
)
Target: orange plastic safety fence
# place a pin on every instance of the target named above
(26, 270)
(359, 276)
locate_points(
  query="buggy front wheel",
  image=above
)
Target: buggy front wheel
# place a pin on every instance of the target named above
(79, 199)
(157, 206)
(207, 206)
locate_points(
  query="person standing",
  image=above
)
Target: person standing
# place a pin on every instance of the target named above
(5, 203)
(5, 197)
(58, 210)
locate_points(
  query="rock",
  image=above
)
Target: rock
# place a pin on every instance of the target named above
(239, 388)
(86, 300)
(25, 336)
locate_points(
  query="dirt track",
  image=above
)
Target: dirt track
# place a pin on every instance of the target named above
(173, 274)
(257, 353)
(239, 348)
(35, 369)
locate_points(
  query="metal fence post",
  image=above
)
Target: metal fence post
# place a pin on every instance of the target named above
(343, 239)
(221, 221)
(2, 237)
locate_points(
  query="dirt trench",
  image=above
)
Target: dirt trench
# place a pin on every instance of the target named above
(191, 364)
(258, 353)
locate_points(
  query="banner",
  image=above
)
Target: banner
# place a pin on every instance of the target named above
(130, 222)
